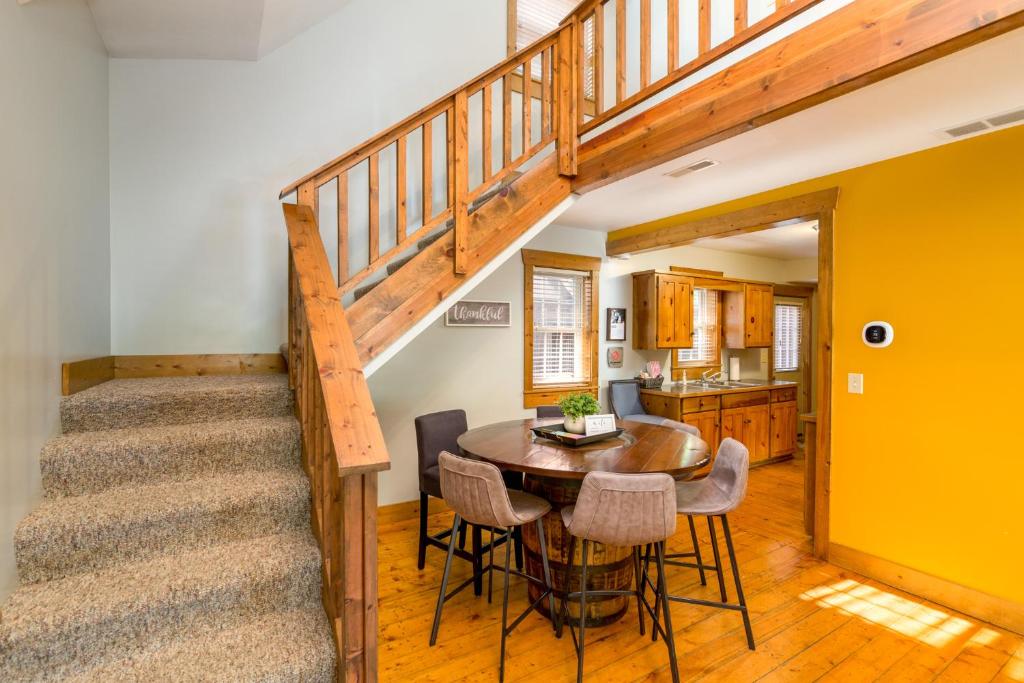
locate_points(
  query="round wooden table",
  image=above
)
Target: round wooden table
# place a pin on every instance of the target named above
(555, 472)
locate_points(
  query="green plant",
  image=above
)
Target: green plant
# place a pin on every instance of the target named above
(575, 406)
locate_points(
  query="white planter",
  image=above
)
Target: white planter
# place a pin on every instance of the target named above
(576, 426)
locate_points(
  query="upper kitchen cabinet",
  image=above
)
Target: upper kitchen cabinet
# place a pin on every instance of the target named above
(662, 311)
(749, 320)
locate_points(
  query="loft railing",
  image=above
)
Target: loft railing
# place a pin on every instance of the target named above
(342, 445)
(560, 84)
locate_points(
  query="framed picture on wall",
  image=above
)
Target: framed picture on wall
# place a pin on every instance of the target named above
(616, 327)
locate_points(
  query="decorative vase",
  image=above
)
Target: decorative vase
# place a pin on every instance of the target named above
(576, 425)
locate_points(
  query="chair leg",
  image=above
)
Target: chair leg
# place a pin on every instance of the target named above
(478, 577)
(640, 587)
(718, 560)
(504, 611)
(583, 613)
(696, 550)
(670, 639)
(444, 582)
(462, 535)
(490, 570)
(657, 595)
(739, 586)
(421, 558)
(547, 572)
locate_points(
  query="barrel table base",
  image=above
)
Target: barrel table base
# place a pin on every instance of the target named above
(608, 567)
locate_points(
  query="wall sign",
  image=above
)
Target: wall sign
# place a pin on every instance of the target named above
(479, 314)
(615, 356)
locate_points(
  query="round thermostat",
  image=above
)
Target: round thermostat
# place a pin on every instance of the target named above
(877, 334)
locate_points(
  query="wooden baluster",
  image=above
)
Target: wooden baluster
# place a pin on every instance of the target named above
(565, 59)
(428, 172)
(487, 152)
(740, 17)
(620, 50)
(506, 121)
(342, 227)
(704, 27)
(460, 185)
(527, 104)
(673, 34)
(579, 59)
(599, 60)
(374, 197)
(545, 93)
(400, 182)
(645, 43)
(449, 120)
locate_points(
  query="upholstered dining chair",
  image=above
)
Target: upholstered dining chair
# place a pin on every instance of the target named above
(477, 493)
(624, 397)
(546, 412)
(626, 510)
(716, 495)
(437, 432)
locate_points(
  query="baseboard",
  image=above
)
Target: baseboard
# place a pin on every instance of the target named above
(79, 375)
(999, 611)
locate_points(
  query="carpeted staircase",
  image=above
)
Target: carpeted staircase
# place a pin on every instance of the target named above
(173, 541)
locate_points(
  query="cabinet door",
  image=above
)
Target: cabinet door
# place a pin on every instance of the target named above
(707, 423)
(732, 425)
(757, 432)
(758, 315)
(675, 313)
(783, 428)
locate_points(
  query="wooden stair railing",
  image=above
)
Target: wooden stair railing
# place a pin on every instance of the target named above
(342, 445)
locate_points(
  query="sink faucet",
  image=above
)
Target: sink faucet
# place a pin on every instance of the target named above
(710, 376)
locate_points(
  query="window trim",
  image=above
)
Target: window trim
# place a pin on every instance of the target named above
(800, 340)
(548, 394)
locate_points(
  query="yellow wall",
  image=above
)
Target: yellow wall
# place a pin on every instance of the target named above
(927, 469)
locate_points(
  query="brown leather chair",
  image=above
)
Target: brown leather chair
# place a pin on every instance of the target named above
(477, 493)
(437, 432)
(631, 510)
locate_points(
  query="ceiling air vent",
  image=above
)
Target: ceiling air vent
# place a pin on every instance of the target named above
(692, 168)
(996, 121)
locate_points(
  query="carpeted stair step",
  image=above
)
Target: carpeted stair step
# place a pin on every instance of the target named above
(275, 648)
(58, 628)
(90, 462)
(123, 403)
(64, 536)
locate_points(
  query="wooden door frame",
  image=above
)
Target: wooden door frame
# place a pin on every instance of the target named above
(819, 206)
(806, 295)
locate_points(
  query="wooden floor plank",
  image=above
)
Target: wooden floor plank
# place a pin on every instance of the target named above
(812, 620)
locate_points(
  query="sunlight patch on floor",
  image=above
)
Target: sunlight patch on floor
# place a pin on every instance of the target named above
(906, 617)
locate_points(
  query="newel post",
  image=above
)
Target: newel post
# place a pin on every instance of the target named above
(566, 103)
(460, 179)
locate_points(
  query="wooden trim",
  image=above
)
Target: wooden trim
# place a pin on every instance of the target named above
(772, 215)
(532, 258)
(980, 605)
(823, 388)
(81, 374)
(855, 46)
(795, 291)
(511, 26)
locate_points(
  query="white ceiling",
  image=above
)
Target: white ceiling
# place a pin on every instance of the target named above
(204, 29)
(790, 242)
(893, 117)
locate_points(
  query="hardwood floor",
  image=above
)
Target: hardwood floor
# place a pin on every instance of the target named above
(812, 620)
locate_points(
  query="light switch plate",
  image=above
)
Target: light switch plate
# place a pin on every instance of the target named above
(855, 383)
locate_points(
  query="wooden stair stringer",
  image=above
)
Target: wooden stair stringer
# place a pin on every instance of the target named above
(384, 314)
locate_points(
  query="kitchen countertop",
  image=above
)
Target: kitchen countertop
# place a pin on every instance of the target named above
(675, 389)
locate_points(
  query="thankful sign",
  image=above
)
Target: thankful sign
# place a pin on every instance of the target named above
(479, 314)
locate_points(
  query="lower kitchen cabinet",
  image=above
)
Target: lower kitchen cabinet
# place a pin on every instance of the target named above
(783, 428)
(750, 426)
(707, 423)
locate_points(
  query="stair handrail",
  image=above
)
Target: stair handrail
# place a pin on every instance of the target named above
(343, 447)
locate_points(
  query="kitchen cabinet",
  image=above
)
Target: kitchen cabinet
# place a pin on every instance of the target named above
(662, 311)
(783, 421)
(749, 316)
(707, 422)
(751, 427)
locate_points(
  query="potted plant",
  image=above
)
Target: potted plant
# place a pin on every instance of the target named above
(575, 407)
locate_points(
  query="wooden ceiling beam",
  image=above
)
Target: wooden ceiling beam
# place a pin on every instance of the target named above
(855, 46)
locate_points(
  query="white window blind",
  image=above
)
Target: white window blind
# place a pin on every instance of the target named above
(537, 18)
(705, 329)
(562, 302)
(787, 337)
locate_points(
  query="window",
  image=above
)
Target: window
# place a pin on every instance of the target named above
(788, 325)
(561, 325)
(705, 351)
(531, 20)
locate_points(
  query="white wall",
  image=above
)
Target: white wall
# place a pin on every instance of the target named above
(200, 149)
(481, 369)
(54, 240)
